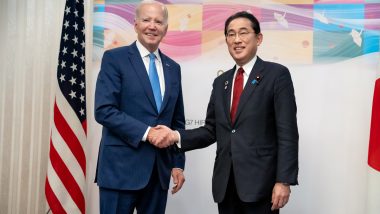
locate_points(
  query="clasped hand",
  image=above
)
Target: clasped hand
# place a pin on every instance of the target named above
(162, 136)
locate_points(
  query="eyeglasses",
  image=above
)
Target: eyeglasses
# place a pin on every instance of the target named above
(241, 34)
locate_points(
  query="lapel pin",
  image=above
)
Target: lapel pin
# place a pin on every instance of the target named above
(256, 81)
(225, 85)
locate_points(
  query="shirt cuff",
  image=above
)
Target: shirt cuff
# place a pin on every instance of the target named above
(146, 134)
(179, 139)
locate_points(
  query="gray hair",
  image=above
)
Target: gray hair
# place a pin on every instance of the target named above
(143, 2)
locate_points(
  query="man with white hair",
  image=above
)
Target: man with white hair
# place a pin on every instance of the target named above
(138, 87)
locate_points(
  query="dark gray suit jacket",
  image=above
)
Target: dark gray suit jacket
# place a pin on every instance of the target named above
(262, 145)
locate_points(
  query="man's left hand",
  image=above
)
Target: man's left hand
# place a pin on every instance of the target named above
(280, 195)
(178, 179)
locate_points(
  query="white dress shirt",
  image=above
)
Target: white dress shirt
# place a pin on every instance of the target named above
(144, 53)
(247, 71)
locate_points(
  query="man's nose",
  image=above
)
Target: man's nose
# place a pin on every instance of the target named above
(237, 39)
(152, 25)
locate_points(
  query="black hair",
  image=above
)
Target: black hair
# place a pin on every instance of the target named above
(243, 14)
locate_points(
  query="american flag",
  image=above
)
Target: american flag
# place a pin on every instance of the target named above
(66, 174)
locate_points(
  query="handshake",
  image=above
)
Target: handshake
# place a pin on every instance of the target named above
(161, 136)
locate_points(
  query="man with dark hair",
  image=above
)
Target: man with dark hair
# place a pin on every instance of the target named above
(252, 117)
(138, 87)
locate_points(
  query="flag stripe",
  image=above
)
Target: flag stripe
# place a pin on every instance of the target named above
(68, 157)
(55, 206)
(60, 193)
(66, 178)
(69, 137)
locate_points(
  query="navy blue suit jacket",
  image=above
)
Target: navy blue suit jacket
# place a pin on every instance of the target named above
(125, 106)
(262, 144)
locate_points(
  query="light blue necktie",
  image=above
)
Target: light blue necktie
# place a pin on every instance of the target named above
(154, 81)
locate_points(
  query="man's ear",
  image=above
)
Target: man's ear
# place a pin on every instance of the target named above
(166, 29)
(259, 38)
(135, 25)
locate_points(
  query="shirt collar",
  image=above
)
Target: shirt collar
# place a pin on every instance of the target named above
(144, 52)
(248, 67)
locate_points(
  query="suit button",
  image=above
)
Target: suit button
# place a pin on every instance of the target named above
(233, 131)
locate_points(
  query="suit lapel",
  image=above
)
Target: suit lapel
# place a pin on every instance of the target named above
(250, 86)
(168, 80)
(227, 87)
(139, 68)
